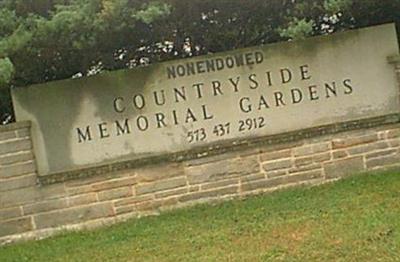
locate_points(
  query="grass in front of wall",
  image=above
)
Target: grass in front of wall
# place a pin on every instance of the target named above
(356, 219)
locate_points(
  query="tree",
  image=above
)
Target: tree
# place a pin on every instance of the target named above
(46, 40)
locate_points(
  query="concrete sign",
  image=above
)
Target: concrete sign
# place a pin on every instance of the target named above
(179, 105)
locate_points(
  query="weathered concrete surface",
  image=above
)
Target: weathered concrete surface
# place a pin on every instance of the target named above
(279, 88)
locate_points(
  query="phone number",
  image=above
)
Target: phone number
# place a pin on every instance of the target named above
(224, 129)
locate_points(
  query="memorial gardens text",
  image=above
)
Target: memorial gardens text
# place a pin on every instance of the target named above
(270, 87)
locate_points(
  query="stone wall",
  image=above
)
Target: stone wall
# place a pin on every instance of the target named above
(31, 210)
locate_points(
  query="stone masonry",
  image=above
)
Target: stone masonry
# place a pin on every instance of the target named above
(31, 210)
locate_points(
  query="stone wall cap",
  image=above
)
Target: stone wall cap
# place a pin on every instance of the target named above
(15, 126)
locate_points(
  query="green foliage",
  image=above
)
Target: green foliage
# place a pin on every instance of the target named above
(8, 22)
(297, 29)
(337, 6)
(6, 71)
(56, 39)
(72, 36)
(15, 42)
(152, 12)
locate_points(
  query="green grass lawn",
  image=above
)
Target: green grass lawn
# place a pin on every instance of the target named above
(357, 219)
